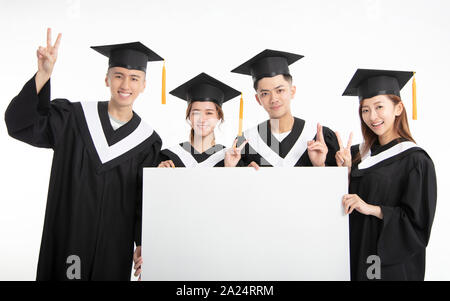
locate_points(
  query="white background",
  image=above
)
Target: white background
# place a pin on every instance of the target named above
(213, 36)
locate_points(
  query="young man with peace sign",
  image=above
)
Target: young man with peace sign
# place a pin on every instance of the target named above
(93, 214)
(283, 140)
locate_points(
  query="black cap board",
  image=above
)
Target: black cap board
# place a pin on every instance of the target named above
(367, 83)
(132, 56)
(268, 63)
(205, 88)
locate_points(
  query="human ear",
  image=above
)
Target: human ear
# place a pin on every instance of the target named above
(293, 90)
(257, 99)
(398, 109)
(144, 84)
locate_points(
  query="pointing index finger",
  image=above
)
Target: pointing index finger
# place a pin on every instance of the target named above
(242, 145)
(58, 41)
(320, 133)
(49, 38)
(235, 143)
(349, 144)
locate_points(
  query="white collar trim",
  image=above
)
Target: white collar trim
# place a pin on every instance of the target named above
(368, 160)
(189, 161)
(299, 148)
(105, 152)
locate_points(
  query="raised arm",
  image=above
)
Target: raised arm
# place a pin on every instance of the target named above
(30, 117)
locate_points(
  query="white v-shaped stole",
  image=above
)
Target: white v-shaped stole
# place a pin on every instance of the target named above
(105, 152)
(299, 148)
(189, 160)
(368, 160)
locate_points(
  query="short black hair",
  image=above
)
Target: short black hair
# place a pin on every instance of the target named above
(287, 77)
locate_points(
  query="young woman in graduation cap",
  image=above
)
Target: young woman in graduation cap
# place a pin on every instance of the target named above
(392, 198)
(205, 96)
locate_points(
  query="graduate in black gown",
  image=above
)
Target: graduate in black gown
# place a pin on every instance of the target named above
(92, 217)
(205, 96)
(392, 193)
(283, 140)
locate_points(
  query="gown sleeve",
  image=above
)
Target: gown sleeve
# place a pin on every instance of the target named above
(162, 156)
(406, 228)
(333, 146)
(152, 160)
(248, 154)
(166, 155)
(33, 119)
(241, 163)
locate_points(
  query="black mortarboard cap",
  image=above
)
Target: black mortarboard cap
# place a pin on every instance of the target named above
(205, 88)
(132, 56)
(268, 63)
(367, 83)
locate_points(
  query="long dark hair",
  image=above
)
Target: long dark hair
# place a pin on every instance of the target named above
(220, 116)
(400, 125)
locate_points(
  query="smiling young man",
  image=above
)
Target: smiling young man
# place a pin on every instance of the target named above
(93, 214)
(283, 140)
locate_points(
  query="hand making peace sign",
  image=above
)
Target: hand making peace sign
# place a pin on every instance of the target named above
(233, 155)
(46, 60)
(343, 155)
(317, 149)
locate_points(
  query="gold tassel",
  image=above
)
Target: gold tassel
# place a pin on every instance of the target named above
(163, 90)
(414, 95)
(241, 115)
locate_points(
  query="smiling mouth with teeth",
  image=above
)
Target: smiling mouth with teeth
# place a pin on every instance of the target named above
(124, 94)
(377, 124)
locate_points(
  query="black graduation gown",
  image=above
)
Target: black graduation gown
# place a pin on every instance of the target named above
(403, 184)
(266, 150)
(94, 196)
(184, 155)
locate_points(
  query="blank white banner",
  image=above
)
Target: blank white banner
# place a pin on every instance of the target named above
(239, 224)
